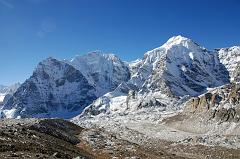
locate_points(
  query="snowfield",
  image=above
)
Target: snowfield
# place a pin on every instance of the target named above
(1, 97)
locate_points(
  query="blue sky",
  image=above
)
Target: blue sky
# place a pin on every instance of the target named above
(32, 30)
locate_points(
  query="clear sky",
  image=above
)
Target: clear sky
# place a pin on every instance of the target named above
(31, 30)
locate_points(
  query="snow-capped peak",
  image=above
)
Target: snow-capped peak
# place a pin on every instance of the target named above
(181, 41)
(177, 47)
(180, 59)
(49, 60)
(104, 71)
(177, 40)
(95, 54)
(178, 68)
(56, 89)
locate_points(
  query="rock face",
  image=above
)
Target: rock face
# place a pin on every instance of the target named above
(103, 71)
(7, 91)
(178, 68)
(181, 67)
(236, 73)
(56, 89)
(230, 58)
(220, 103)
(65, 88)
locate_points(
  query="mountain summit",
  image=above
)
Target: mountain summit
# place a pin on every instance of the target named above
(103, 71)
(177, 69)
(182, 67)
(64, 88)
(179, 40)
(56, 89)
(102, 83)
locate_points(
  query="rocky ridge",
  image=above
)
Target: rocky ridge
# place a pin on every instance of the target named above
(56, 89)
(101, 83)
(7, 91)
(177, 69)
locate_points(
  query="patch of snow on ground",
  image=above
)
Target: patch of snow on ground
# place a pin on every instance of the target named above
(9, 113)
(191, 55)
(2, 97)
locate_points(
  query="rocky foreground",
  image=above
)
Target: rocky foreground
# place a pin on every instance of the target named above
(57, 138)
(46, 138)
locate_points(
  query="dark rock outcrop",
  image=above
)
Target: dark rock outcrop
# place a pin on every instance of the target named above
(221, 103)
(54, 87)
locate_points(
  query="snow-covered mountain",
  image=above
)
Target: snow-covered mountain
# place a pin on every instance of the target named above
(178, 68)
(164, 78)
(2, 93)
(230, 57)
(65, 88)
(7, 91)
(156, 102)
(56, 89)
(103, 71)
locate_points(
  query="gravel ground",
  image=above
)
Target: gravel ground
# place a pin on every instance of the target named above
(33, 138)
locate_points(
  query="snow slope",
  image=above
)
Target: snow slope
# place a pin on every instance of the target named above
(149, 105)
(2, 97)
(65, 88)
(103, 71)
(56, 89)
(7, 91)
(178, 69)
(164, 79)
(230, 57)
